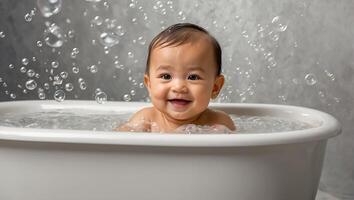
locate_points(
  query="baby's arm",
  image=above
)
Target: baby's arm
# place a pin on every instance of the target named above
(137, 123)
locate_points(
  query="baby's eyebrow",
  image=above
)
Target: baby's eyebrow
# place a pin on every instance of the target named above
(196, 68)
(163, 67)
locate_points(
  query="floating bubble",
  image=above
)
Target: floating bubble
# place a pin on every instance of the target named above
(2, 34)
(53, 36)
(55, 64)
(127, 97)
(11, 66)
(93, 69)
(71, 33)
(275, 19)
(97, 20)
(41, 95)
(132, 92)
(75, 70)
(57, 80)
(59, 95)
(109, 39)
(23, 69)
(93, 1)
(101, 97)
(28, 17)
(82, 84)
(39, 43)
(282, 27)
(69, 87)
(46, 86)
(49, 7)
(64, 75)
(310, 79)
(13, 96)
(120, 30)
(31, 84)
(30, 73)
(25, 61)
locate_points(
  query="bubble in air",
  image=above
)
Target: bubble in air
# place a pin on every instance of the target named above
(71, 33)
(53, 36)
(46, 86)
(82, 84)
(55, 64)
(41, 95)
(109, 39)
(11, 66)
(59, 95)
(31, 84)
(120, 30)
(93, 69)
(64, 74)
(49, 7)
(39, 43)
(74, 52)
(2, 34)
(101, 97)
(127, 97)
(25, 61)
(275, 19)
(30, 73)
(310, 79)
(75, 70)
(13, 96)
(28, 17)
(69, 87)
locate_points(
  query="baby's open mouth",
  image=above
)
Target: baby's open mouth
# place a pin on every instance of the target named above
(179, 101)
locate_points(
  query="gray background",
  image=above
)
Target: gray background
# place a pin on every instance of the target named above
(297, 52)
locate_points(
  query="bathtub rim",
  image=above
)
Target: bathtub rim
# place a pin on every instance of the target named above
(329, 128)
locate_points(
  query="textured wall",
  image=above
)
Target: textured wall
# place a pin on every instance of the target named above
(284, 52)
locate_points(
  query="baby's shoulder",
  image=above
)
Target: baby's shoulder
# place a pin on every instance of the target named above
(220, 117)
(143, 114)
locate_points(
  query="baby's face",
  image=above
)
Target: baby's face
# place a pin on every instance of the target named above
(182, 79)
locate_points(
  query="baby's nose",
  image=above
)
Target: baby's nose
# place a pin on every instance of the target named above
(179, 86)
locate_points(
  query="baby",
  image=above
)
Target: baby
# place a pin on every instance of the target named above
(183, 72)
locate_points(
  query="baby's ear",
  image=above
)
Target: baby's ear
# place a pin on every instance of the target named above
(147, 82)
(218, 83)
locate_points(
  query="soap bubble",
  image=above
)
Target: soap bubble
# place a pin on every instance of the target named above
(41, 95)
(109, 39)
(13, 96)
(31, 84)
(11, 66)
(64, 75)
(127, 97)
(101, 97)
(59, 95)
(49, 7)
(2, 34)
(39, 44)
(82, 84)
(30, 73)
(25, 61)
(75, 70)
(55, 64)
(69, 87)
(28, 17)
(53, 36)
(93, 69)
(310, 79)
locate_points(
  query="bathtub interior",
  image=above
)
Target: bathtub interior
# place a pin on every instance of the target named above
(281, 52)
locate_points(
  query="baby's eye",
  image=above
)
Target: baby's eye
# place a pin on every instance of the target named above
(165, 76)
(193, 77)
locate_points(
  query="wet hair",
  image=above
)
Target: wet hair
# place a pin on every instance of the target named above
(179, 34)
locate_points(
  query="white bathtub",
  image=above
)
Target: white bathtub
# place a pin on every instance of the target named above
(42, 164)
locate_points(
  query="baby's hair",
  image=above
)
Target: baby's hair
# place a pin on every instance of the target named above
(179, 34)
